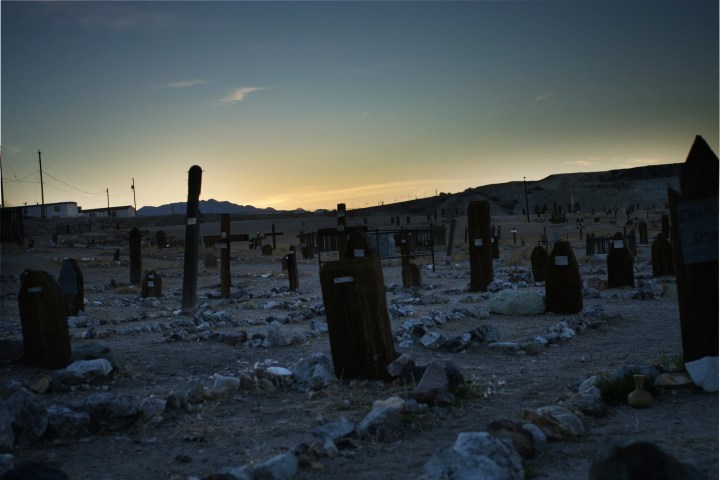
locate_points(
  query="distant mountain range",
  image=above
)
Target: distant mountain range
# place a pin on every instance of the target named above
(208, 207)
(643, 187)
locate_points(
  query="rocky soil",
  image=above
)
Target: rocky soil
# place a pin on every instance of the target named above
(206, 399)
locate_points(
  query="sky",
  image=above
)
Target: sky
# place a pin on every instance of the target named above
(310, 104)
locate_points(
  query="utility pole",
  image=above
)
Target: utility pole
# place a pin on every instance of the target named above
(134, 201)
(42, 190)
(2, 188)
(527, 206)
(107, 191)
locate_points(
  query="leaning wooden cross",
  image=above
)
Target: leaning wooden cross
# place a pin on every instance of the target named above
(224, 239)
(273, 234)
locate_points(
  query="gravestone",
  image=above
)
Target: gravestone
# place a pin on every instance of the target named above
(135, 258)
(481, 254)
(620, 264)
(341, 224)
(192, 236)
(161, 239)
(642, 231)
(662, 257)
(563, 285)
(210, 260)
(72, 286)
(411, 276)
(539, 260)
(116, 255)
(46, 341)
(451, 239)
(292, 269)
(694, 236)
(495, 247)
(358, 324)
(267, 249)
(152, 285)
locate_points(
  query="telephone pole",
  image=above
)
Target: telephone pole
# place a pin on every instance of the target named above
(42, 190)
(134, 201)
(2, 188)
(527, 206)
(107, 191)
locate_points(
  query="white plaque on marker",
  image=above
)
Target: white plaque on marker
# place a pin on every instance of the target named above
(151, 284)
(698, 226)
(561, 260)
(34, 289)
(223, 235)
(223, 245)
(151, 276)
(341, 213)
(358, 252)
(477, 242)
(618, 244)
(341, 228)
(338, 280)
(191, 221)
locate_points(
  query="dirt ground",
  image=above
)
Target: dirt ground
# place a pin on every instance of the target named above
(253, 426)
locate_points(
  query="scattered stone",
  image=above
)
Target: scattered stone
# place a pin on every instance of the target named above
(7, 436)
(639, 460)
(433, 340)
(433, 386)
(704, 373)
(153, 408)
(279, 467)
(277, 334)
(397, 366)
(113, 412)
(558, 423)
(65, 422)
(539, 438)
(522, 440)
(85, 371)
(517, 302)
(315, 371)
(41, 384)
(334, 431)
(7, 461)
(28, 415)
(627, 371)
(475, 455)
(384, 421)
(485, 333)
(673, 381)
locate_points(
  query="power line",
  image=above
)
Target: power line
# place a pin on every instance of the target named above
(76, 188)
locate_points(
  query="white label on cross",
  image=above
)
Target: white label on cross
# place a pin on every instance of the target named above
(478, 242)
(223, 235)
(223, 245)
(34, 289)
(151, 284)
(358, 252)
(561, 260)
(341, 228)
(191, 221)
(338, 280)
(618, 244)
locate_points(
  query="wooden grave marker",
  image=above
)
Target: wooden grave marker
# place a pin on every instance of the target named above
(563, 285)
(224, 240)
(411, 276)
(662, 256)
(358, 323)
(46, 340)
(135, 256)
(539, 260)
(151, 285)
(694, 237)
(72, 286)
(620, 264)
(290, 261)
(192, 236)
(480, 245)
(273, 234)
(643, 232)
(161, 239)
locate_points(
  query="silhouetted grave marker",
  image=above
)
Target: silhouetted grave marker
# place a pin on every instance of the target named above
(620, 264)
(135, 257)
(192, 236)
(72, 286)
(451, 238)
(662, 257)
(514, 234)
(46, 341)
(161, 239)
(539, 260)
(563, 285)
(151, 285)
(224, 240)
(267, 250)
(358, 324)
(210, 260)
(116, 255)
(495, 247)
(665, 225)
(480, 245)
(642, 232)
(341, 224)
(274, 236)
(694, 236)
(290, 261)
(411, 276)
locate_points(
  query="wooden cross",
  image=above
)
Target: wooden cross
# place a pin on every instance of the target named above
(224, 239)
(273, 234)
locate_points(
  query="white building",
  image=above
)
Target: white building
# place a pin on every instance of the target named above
(52, 210)
(114, 212)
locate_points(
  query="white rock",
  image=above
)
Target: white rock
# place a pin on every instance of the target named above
(704, 373)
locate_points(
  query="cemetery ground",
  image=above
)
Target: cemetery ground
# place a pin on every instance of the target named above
(181, 358)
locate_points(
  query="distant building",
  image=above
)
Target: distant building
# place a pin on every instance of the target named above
(115, 212)
(52, 210)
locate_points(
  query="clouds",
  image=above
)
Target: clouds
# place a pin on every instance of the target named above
(186, 83)
(239, 94)
(544, 96)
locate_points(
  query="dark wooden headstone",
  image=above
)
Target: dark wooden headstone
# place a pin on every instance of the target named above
(662, 257)
(72, 286)
(481, 256)
(665, 225)
(620, 264)
(539, 260)
(161, 239)
(563, 285)
(358, 324)
(267, 249)
(292, 269)
(192, 236)
(451, 238)
(46, 340)
(341, 224)
(495, 247)
(135, 257)
(210, 260)
(642, 231)
(116, 255)
(411, 276)
(152, 285)
(694, 236)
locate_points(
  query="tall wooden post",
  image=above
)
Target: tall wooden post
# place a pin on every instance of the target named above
(563, 285)
(481, 250)
(135, 257)
(451, 239)
(410, 271)
(192, 236)
(225, 255)
(341, 224)
(358, 324)
(292, 269)
(72, 286)
(46, 341)
(539, 261)
(620, 264)
(694, 236)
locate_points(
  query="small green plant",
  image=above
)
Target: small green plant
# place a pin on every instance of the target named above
(672, 363)
(615, 391)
